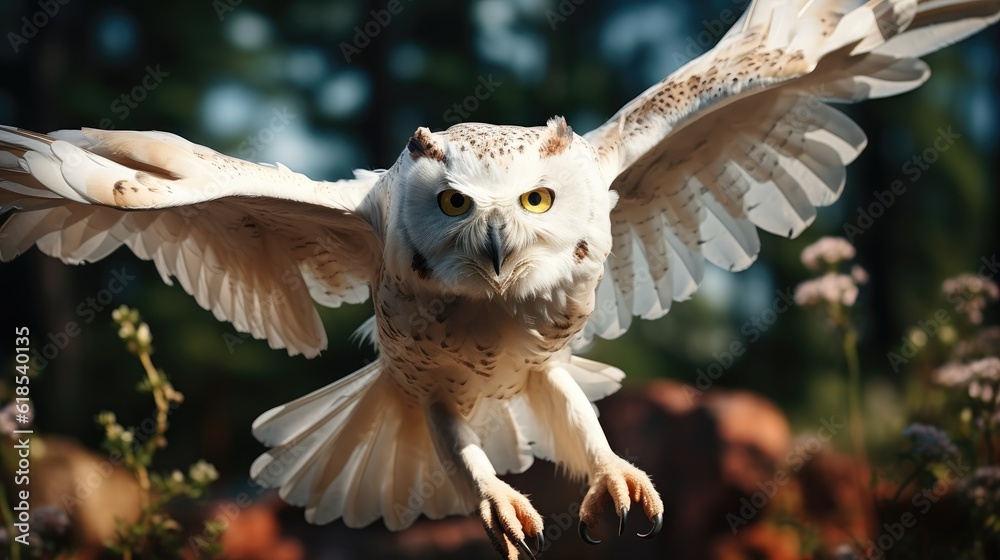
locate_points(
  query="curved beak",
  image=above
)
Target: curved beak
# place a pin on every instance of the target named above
(494, 246)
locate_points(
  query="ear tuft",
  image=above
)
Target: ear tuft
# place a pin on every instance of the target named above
(422, 144)
(560, 137)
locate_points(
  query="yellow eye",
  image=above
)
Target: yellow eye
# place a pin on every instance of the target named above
(454, 203)
(538, 200)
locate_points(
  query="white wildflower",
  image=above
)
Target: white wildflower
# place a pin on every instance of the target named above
(203, 472)
(120, 314)
(114, 431)
(143, 336)
(126, 331)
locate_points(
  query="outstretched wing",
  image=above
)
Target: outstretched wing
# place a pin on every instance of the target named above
(255, 244)
(743, 137)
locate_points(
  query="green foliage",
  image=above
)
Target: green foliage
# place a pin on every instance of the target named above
(154, 533)
(956, 463)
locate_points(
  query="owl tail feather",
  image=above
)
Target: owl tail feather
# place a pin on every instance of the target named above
(356, 449)
(359, 450)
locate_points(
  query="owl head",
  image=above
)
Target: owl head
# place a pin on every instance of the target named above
(487, 211)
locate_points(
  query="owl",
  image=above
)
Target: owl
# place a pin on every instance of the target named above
(491, 254)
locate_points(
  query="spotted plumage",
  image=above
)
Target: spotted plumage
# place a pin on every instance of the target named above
(490, 254)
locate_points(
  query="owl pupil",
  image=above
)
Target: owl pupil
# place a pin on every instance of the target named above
(457, 200)
(534, 199)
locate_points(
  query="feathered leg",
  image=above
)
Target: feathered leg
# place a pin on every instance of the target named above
(507, 515)
(576, 440)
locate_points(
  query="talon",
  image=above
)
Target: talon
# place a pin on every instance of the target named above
(540, 541)
(622, 519)
(525, 549)
(587, 538)
(657, 525)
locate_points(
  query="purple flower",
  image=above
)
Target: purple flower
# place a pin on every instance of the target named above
(50, 520)
(930, 444)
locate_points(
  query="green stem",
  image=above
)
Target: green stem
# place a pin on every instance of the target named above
(161, 388)
(854, 392)
(988, 438)
(152, 444)
(854, 405)
(906, 482)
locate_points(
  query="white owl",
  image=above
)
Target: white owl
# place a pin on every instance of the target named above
(490, 253)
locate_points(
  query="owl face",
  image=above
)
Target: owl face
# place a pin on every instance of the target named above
(488, 211)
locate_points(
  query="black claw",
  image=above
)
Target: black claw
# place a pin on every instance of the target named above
(586, 538)
(540, 541)
(525, 549)
(657, 525)
(622, 519)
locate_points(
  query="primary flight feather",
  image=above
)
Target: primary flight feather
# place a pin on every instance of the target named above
(490, 254)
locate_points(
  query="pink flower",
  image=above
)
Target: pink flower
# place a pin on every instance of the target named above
(830, 288)
(827, 252)
(859, 274)
(983, 486)
(970, 293)
(953, 374)
(981, 376)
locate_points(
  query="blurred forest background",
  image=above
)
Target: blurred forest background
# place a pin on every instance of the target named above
(219, 72)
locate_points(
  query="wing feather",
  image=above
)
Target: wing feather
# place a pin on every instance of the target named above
(743, 138)
(254, 244)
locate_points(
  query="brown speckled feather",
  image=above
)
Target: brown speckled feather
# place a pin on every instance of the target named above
(743, 137)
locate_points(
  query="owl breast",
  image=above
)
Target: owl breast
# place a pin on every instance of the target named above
(447, 347)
